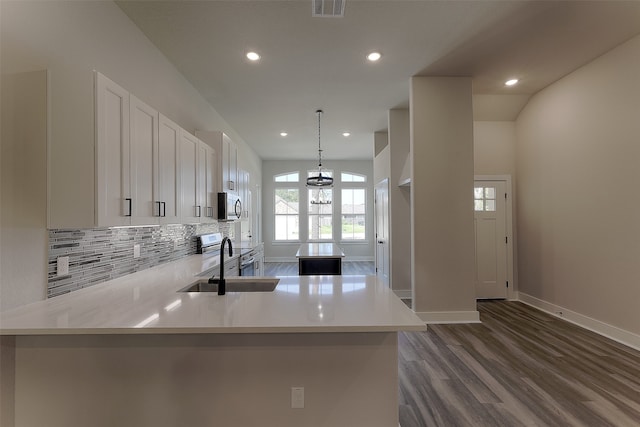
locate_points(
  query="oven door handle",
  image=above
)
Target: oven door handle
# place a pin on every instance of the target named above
(248, 262)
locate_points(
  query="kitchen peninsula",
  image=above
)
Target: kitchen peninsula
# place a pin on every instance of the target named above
(135, 352)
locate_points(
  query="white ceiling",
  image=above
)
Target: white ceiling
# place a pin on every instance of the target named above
(309, 63)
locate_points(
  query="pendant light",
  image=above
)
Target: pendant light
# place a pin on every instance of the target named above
(319, 180)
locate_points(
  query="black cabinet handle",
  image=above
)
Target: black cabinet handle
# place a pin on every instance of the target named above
(130, 206)
(199, 211)
(159, 211)
(164, 209)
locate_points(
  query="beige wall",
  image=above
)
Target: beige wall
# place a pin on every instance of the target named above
(23, 204)
(578, 208)
(494, 148)
(442, 213)
(399, 201)
(494, 153)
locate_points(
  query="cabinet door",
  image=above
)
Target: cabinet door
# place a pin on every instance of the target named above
(143, 146)
(190, 210)
(229, 165)
(233, 167)
(201, 190)
(210, 193)
(114, 203)
(167, 196)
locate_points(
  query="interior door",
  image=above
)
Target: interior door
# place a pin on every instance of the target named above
(382, 230)
(490, 239)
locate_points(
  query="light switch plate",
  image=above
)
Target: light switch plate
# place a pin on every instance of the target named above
(136, 251)
(63, 266)
(297, 397)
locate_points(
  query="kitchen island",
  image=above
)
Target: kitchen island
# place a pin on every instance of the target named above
(135, 352)
(319, 258)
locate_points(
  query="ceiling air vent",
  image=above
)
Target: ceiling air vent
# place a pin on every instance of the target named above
(328, 8)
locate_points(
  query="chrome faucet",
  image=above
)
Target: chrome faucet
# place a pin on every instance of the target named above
(220, 281)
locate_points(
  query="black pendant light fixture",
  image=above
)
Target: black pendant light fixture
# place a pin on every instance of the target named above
(319, 180)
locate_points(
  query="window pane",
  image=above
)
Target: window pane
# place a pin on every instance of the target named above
(287, 177)
(478, 192)
(325, 172)
(353, 227)
(286, 201)
(490, 205)
(320, 227)
(478, 205)
(490, 193)
(320, 201)
(287, 227)
(352, 177)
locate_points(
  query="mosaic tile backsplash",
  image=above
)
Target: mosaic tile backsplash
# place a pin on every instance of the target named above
(100, 254)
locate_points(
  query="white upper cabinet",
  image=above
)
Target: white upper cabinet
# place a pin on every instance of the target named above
(208, 191)
(143, 143)
(227, 159)
(191, 209)
(167, 194)
(114, 204)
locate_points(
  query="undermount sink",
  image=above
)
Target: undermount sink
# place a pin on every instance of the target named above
(250, 284)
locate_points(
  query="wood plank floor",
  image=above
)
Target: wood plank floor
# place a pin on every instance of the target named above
(519, 367)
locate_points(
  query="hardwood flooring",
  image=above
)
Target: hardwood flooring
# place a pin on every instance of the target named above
(291, 268)
(519, 367)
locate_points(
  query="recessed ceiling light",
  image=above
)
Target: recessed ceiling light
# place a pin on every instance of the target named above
(374, 56)
(253, 56)
(283, 134)
(346, 134)
(511, 82)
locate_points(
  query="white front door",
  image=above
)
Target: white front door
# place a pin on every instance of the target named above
(490, 239)
(382, 230)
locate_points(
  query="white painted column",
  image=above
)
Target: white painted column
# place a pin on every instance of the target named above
(441, 121)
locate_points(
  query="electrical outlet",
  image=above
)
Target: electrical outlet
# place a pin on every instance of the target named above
(297, 397)
(136, 251)
(175, 245)
(63, 266)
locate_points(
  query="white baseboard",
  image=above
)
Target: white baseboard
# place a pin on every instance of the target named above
(403, 293)
(443, 317)
(281, 259)
(620, 335)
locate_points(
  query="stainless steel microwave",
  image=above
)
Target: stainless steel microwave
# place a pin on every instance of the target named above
(229, 207)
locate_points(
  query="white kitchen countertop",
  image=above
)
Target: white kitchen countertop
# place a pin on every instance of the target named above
(147, 302)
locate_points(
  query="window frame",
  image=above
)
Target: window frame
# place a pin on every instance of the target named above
(277, 215)
(342, 214)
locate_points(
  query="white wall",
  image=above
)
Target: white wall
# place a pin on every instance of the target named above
(578, 208)
(70, 40)
(282, 251)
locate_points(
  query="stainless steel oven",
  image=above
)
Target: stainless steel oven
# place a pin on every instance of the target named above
(247, 264)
